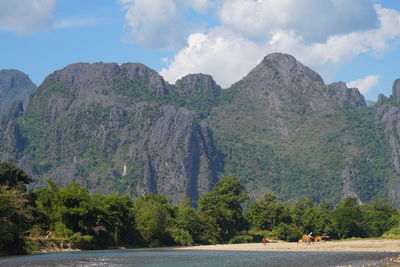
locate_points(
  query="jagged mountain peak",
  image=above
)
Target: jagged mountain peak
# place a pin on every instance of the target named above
(283, 66)
(193, 83)
(14, 85)
(284, 85)
(13, 78)
(88, 80)
(80, 72)
(199, 92)
(346, 97)
(396, 88)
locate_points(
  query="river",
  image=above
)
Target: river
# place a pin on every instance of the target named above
(176, 258)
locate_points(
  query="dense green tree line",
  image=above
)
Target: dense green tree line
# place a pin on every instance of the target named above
(89, 220)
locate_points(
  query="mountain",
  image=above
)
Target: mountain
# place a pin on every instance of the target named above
(14, 85)
(282, 129)
(124, 128)
(110, 128)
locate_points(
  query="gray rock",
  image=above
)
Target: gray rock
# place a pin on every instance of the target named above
(388, 118)
(396, 88)
(192, 84)
(346, 97)
(381, 99)
(14, 85)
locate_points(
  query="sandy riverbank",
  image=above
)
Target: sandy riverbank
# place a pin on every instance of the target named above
(350, 246)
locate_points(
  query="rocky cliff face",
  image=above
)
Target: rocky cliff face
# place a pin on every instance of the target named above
(396, 88)
(346, 97)
(107, 126)
(123, 128)
(14, 85)
(388, 119)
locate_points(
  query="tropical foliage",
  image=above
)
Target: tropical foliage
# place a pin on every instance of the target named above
(91, 221)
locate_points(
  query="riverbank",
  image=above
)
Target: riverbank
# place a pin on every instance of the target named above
(329, 246)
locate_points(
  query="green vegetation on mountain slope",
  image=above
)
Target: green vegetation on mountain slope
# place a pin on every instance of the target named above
(122, 128)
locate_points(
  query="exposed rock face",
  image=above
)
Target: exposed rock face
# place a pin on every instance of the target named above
(346, 97)
(199, 84)
(14, 85)
(10, 135)
(282, 80)
(348, 189)
(396, 88)
(388, 117)
(381, 99)
(85, 80)
(180, 155)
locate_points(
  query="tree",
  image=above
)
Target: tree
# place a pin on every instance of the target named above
(380, 216)
(267, 213)
(13, 177)
(199, 226)
(223, 204)
(322, 222)
(348, 219)
(15, 218)
(153, 218)
(15, 208)
(108, 220)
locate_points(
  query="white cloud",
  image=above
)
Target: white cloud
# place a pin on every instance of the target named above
(200, 5)
(77, 23)
(228, 54)
(314, 20)
(160, 24)
(366, 84)
(221, 53)
(26, 16)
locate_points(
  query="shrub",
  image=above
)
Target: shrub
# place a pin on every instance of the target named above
(182, 237)
(392, 233)
(241, 239)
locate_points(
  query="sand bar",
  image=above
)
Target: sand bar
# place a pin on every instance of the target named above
(350, 246)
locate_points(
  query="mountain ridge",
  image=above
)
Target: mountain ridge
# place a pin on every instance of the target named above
(124, 128)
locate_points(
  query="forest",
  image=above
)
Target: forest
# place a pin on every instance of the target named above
(73, 217)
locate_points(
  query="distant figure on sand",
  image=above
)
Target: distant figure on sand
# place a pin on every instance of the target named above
(264, 240)
(321, 238)
(307, 239)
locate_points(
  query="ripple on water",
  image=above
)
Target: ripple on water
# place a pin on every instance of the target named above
(176, 258)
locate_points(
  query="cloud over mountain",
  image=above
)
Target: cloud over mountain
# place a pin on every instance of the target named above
(239, 49)
(323, 34)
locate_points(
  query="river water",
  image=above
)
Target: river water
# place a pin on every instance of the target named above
(176, 258)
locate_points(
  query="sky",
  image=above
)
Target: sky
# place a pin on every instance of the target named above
(355, 41)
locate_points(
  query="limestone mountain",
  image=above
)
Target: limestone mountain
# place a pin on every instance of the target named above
(14, 85)
(110, 128)
(124, 128)
(281, 128)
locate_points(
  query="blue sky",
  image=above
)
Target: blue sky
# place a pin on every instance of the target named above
(354, 41)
